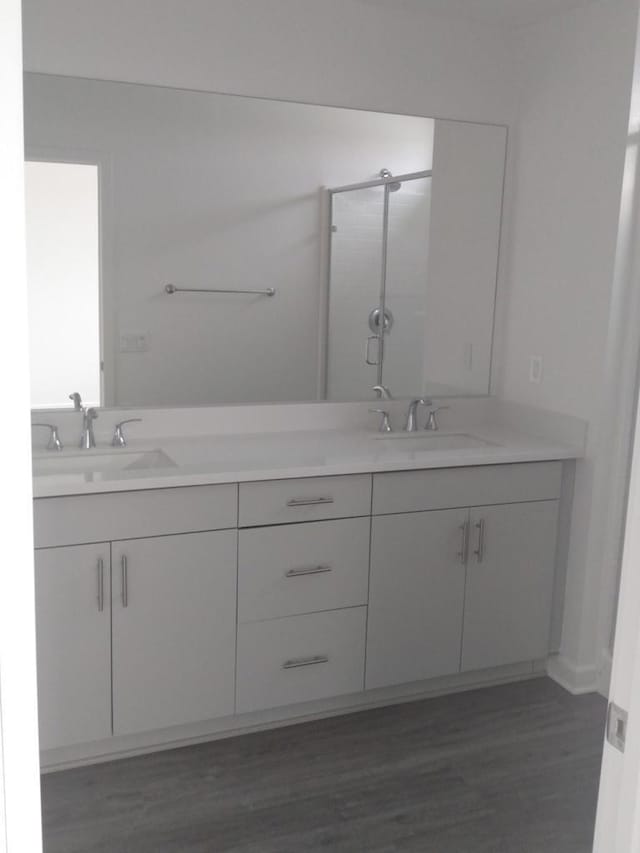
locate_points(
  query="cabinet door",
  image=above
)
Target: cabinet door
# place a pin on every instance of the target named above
(416, 596)
(174, 630)
(73, 644)
(509, 584)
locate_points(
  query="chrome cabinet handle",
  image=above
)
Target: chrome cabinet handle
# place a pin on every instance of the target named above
(309, 501)
(125, 581)
(311, 570)
(100, 584)
(367, 355)
(479, 552)
(463, 553)
(294, 663)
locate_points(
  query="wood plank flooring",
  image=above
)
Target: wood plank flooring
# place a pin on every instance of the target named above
(509, 769)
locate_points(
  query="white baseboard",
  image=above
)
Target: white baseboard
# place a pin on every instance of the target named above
(577, 680)
(605, 673)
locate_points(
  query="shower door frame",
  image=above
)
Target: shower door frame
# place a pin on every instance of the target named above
(382, 295)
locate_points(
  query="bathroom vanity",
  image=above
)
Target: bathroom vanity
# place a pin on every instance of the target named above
(263, 563)
(180, 603)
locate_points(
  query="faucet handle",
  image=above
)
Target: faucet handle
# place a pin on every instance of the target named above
(432, 420)
(77, 400)
(118, 439)
(385, 425)
(54, 442)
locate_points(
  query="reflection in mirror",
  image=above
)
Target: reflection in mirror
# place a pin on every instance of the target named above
(346, 216)
(62, 222)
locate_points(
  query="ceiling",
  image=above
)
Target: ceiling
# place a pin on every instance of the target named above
(511, 13)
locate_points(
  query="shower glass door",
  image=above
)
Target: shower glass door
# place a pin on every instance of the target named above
(378, 287)
(354, 293)
(404, 367)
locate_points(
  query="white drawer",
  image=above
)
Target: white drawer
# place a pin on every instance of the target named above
(482, 485)
(308, 499)
(129, 515)
(300, 658)
(301, 568)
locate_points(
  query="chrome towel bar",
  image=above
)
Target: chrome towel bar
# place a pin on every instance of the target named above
(171, 288)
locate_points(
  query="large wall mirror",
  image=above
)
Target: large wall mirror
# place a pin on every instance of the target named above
(188, 248)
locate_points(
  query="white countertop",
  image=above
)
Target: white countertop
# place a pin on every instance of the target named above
(202, 460)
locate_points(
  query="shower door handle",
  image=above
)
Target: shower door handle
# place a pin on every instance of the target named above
(367, 352)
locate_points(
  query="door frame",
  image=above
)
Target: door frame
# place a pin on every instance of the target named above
(20, 825)
(618, 819)
(103, 160)
(618, 816)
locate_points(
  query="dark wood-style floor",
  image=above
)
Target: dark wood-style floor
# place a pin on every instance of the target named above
(510, 769)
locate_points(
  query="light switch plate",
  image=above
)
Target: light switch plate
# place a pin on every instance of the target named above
(468, 356)
(535, 369)
(133, 342)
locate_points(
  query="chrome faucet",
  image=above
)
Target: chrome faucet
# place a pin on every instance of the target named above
(77, 401)
(383, 392)
(412, 413)
(87, 439)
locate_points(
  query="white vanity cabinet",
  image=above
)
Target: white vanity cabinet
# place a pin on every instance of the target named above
(73, 619)
(135, 634)
(303, 572)
(461, 588)
(208, 608)
(174, 630)
(509, 589)
(416, 596)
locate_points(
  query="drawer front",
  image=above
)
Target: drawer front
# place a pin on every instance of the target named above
(301, 568)
(444, 488)
(309, 499)
(130, 515)
(300, 659)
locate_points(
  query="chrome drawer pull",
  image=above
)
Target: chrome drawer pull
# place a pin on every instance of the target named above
(125, 581)
(311, 570)
(294, 663)
(309, 501)
(479, 552)
(463, 553)
(100, 584)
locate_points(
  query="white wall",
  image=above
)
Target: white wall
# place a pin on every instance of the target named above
(337, 52)
(464, 241)
(214, 191)
(574, 76)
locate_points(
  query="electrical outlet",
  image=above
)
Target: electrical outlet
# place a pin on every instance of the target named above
(133, 342)
(468, 356)
(535, 369)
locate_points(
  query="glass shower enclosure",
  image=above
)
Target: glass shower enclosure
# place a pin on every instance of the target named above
(378, 258)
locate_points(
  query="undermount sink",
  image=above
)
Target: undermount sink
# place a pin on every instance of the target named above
(434, 440)
(87, 462)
